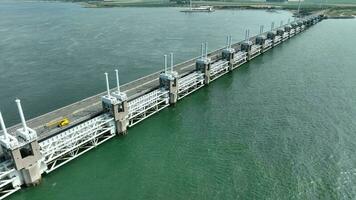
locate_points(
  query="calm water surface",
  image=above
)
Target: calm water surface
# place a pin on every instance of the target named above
(281, 127)
(53, 54)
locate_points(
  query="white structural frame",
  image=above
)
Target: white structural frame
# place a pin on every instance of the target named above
(147, 105)
(218, 69)
(267, 45)
(277, 40)
(68, 145)
(297, 30)
(9, 182)
(302, 28)
(7, 140)
(285, 36)
(190, 83)
(255, 51)
(240, 58)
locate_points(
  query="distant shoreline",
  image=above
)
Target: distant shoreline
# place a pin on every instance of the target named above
(339, 11)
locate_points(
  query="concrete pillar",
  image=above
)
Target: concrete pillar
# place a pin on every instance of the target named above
(260, 40)
(203, 65)
(246, 46)
(271, 35)
(26, 160)
(228, 54)
(294, 26)
(280, 32)
(322, 17)
(31, 175)
(288, 29)
(309, 23)
(169, 81)
(23, 149)
(116, 104)
(121, 117)
(119, 110)
(300, 26)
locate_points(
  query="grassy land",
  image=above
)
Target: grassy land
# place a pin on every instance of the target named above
(341, 12)
(129, 3)
(334, 8)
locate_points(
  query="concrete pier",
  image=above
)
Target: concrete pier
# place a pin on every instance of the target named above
(168, 80)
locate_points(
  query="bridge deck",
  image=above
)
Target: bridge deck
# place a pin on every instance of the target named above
(91, 106)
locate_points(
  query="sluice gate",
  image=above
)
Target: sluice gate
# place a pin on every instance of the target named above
(147, 105)
(64, 147)
(189, 84)
(27, 153)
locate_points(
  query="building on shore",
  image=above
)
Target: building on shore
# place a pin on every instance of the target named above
(276, 0)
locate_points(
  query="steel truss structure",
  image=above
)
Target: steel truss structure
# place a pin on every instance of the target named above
(7, 185)
(147, 105)
(291, 33)
(297, 30)
(218, 69)
(267, 45)
(239, 58)
(68, 145)
(277, 40)
(255, 51)
(189, 84)
(285, 36)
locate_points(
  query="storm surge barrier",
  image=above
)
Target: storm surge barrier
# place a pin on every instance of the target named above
(36, 147)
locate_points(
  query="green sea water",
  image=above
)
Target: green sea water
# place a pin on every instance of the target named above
(280, 127)
(53, 53)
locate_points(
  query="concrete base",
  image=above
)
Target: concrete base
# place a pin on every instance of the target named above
(173, 97)
(121, 127)
(203, 65)
(228, 54)
(120, 114)
(169, 81)
(32, 175)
